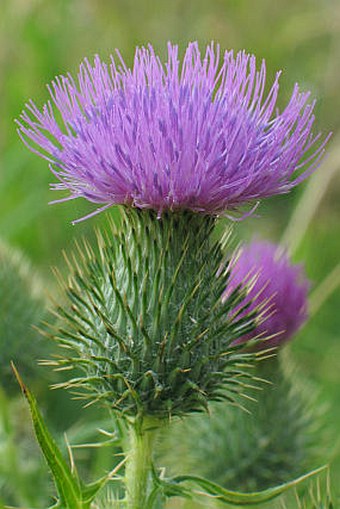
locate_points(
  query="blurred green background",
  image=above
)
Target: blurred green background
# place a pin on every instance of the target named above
(40, 39)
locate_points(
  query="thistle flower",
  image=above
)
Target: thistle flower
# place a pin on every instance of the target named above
(275, 284)
(200, 135)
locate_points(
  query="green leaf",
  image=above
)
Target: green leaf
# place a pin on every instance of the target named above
(237, 498)
(89, 491)
(167, 489)
(73, 494)
(66, 483)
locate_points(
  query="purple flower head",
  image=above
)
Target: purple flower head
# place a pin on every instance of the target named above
(199, 135)
(276, 286)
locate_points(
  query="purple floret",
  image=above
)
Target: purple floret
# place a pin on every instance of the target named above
(277, 288)
(198, 135)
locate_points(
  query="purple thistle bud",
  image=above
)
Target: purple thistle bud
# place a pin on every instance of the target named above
(276, 287)
(198, 135)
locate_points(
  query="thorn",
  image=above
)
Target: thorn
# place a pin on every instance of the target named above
(70, 454)
(19, 379)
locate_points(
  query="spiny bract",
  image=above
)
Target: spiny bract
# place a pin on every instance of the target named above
(145, 322)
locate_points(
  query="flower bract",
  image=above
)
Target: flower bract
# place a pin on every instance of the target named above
(144, 321)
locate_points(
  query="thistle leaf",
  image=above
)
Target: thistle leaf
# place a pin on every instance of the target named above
(66, 483)
(72, 493)
(237, 498)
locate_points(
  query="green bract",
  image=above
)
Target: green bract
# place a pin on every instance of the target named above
(144, 320)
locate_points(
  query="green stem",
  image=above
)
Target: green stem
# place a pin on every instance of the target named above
(138, 478)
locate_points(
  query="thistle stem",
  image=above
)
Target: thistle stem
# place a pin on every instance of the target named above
(138, 479)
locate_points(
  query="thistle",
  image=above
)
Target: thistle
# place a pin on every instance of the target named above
(283, 435)
(146, 321)
(274, 280)
(21, 307)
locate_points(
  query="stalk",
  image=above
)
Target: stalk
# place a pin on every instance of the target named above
(138, 475)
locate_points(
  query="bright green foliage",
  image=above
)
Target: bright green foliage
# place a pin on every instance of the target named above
(277, 442)
(21, 307)
(145, 322)
(72, 492)
(237, 498)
